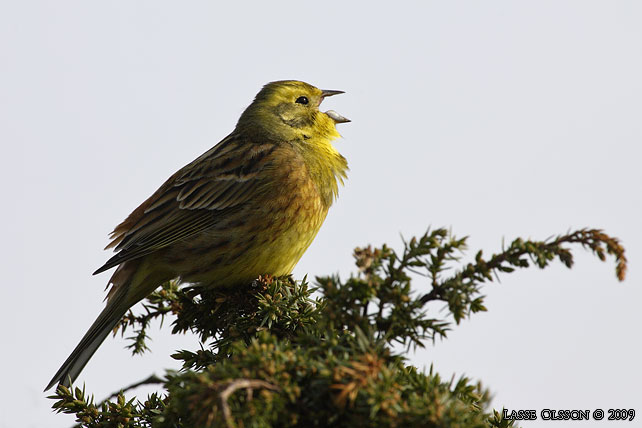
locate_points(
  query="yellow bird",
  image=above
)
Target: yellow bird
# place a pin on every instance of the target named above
(249, 206)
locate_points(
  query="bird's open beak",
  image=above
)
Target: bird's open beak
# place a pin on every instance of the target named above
(331, 113)
(330, 92)
(336, 117)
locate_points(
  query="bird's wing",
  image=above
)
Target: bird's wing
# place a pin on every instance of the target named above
(190, 201)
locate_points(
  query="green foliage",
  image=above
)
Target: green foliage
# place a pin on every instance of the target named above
(279, 354)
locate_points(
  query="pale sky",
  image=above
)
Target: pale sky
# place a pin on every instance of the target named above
(496, 119)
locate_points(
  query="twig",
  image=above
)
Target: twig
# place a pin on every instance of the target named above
(235, 385)
(151, 380)
(594, 239)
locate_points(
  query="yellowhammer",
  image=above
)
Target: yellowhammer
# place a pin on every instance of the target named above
(249, 206)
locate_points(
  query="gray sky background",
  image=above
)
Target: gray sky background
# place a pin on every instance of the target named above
(497, 119)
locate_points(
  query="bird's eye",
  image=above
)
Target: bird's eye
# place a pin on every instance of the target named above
(302, 100)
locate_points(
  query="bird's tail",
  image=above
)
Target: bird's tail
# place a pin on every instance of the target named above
(126, 291)
(94, 337)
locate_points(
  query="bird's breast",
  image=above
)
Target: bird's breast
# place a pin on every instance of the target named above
(267, 235)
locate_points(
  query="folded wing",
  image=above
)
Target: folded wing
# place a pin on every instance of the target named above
(191, 201)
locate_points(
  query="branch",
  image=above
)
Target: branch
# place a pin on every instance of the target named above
(151, 380)
(235, 385)
(539, 252)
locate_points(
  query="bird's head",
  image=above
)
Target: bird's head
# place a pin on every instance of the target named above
(288, 110)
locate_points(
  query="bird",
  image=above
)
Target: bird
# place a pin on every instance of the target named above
(249, 206)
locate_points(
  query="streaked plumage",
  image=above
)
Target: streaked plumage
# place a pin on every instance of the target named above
(249, 206)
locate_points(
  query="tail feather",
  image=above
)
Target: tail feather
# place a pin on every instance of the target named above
(131, 282)
(99, 330)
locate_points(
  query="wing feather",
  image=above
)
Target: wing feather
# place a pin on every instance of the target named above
(191, 201)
